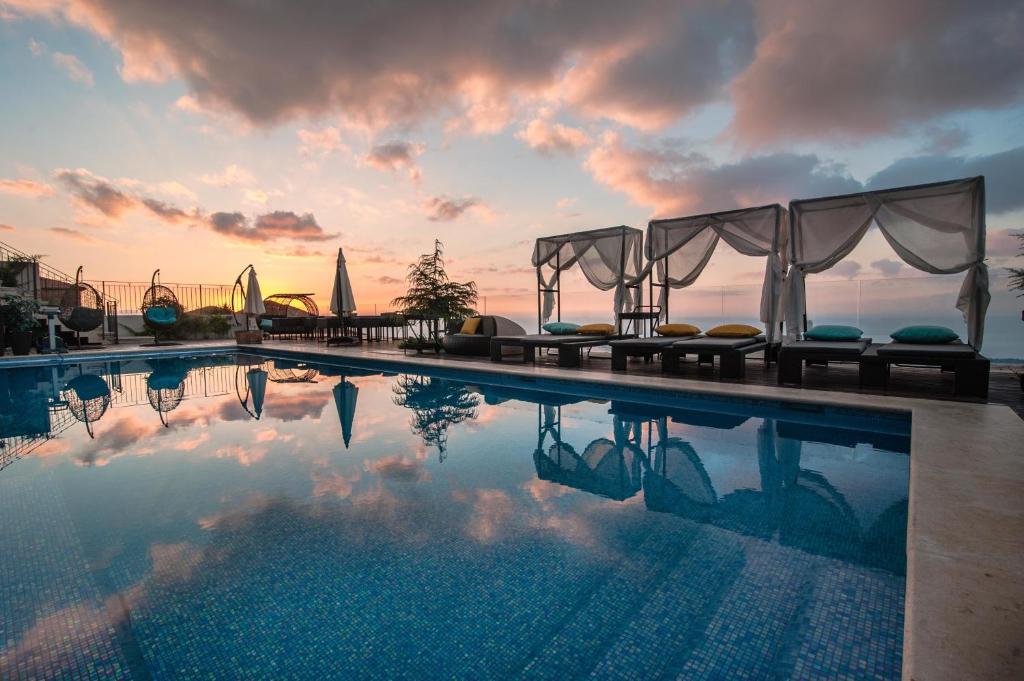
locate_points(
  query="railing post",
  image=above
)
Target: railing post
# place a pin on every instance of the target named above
(200, 296)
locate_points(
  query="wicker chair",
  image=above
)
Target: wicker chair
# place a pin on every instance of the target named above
(161, 310)
(88, 398)
(165, 387)
(81, 307)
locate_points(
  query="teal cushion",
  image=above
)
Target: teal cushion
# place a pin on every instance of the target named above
(561, 328)
(266, 324)
(833, 332)
(925, 334)
(162, 315)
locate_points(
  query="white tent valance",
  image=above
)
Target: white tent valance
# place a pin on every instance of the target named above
(680, 248)
(610, 258)
(938, 228)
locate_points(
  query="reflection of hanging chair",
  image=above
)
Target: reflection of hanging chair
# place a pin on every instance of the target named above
(88, 398)
(81, 306)
(165, 388)
(286, 371)
(160, 307)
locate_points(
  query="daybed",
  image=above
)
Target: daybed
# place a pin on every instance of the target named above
(731, 353)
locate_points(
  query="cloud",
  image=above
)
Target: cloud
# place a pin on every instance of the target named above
(394, 156)
(675, 181)
(1002, 172)
(320, 142)
(847, 269)
(69, 63)
(399, 468)
(445, 209)
(166, 211)
(71, 233)
(23, 187)
(232, 175)
(887, 266)
(396, 63)
(298, 407)
(385, 280)
(549, 138)
(1002, 243)
(6, 228)
(95, 192)
(851, 70)
(943, 139)
(268, 227)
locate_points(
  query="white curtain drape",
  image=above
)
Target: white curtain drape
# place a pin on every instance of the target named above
(609, 258)
(680, 248)
(938, 228)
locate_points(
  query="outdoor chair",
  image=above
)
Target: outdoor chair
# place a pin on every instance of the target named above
(794, 356)
(479, 343)
(731, 354)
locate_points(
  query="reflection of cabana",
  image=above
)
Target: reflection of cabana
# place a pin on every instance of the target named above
(290, 371)
(680, 248)
(938, 228)
(610, 258)
(608, 468)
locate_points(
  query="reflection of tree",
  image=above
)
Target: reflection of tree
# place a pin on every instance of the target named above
(437, 404)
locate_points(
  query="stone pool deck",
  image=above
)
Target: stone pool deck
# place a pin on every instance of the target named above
(965, 543)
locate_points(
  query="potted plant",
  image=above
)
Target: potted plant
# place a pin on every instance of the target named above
(19, 320)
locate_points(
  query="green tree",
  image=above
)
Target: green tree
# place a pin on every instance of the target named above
(432, 293)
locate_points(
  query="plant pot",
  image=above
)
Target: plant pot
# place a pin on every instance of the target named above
(21, 342)
(248, 337)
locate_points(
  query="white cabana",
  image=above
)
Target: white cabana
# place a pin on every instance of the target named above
(679, 249)
(938, 228)
(610, 258)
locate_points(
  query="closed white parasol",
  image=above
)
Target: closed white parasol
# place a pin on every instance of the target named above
(342, 300)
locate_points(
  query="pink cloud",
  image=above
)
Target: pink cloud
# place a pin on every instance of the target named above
(394, 156)
(23, 187)
(549, 138)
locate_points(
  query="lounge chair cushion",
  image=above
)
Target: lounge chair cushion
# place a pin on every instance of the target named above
(266, 324)
(561, 328)
(823, 347)
(596, 329)
(715, 344)
(471, 325)
(928, 350)
(677, 330)
(925, 334)
(833, 332)
(734, 331)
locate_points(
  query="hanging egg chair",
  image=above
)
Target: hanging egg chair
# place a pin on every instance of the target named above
(287, 371)
(165, 387)
(161, 310)
(81, 307)
(88, 398)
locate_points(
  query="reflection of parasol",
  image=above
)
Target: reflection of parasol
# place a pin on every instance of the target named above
(345, 395)
(88, 398)
(165, 387)
(251, 389)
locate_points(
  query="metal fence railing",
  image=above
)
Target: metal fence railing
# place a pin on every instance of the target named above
(192, 297)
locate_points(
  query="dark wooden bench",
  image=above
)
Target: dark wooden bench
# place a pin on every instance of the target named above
(970, 370)
(794, 356)
(570, 348)
(731, 353)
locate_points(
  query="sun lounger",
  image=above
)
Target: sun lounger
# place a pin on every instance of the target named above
(623, 349)
(794, 356)
(731, 353)
(570, 347)
(971, 370)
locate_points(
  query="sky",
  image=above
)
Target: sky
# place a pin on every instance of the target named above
(200, 137)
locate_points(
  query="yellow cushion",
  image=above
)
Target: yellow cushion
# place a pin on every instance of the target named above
(734, 331)
(471, 325)
(596, 329)
(677, 330)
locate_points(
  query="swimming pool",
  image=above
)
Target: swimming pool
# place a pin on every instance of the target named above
(241, 516)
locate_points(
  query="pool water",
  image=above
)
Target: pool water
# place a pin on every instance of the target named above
(246, 517)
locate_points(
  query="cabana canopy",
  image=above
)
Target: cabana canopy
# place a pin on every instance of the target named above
(610, 258)
(680, 249)
(938, 228)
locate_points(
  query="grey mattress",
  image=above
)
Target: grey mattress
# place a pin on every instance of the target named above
(955, 350)
(812, 347)
(645, 343)
(550, 338)
(711, 344)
